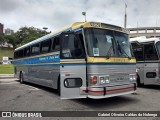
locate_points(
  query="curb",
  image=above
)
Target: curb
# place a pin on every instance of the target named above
(6, 76)
(8, 80)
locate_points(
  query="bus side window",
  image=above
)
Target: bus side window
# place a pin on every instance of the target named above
(55, 44)
(35, 49)
(158, 47)
(138, 51)
(45, 46)
(150, 52)
(80, 37)
(72, 47)
(79, 48)
(20, 55)
(15, 54)
(27, 52)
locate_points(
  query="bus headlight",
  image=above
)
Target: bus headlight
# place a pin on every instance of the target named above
(133, 77)
(104, 80)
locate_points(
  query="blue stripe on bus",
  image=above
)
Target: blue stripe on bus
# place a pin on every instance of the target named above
(38, 60)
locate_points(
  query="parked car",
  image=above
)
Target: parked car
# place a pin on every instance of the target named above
(7, 60)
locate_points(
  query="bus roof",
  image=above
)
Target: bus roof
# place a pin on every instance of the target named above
(73, 27)
(143, 39)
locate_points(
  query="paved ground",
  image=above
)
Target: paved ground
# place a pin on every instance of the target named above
(29, 97)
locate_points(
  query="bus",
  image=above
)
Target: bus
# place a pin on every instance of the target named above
(83, 60)
(147, 51)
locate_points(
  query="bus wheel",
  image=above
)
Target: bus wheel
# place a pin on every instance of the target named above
(139, 84)
(59, 87)
(21, 78)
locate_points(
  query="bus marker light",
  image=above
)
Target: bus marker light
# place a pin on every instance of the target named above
(67, 74)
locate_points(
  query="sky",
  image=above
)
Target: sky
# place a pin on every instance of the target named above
(55, 14)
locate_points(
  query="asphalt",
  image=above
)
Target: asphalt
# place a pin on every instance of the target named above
(30, 97)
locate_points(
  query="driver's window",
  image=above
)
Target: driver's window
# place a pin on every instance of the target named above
(150, 52)
(138, 51)
(72, 46)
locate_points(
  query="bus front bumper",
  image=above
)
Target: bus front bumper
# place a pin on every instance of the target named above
(105, 92)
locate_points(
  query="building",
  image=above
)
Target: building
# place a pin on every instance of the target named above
(1, 28)
(8, 31)
(149, 32)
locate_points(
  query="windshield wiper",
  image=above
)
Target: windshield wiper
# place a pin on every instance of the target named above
(121, 49)
(108, 53)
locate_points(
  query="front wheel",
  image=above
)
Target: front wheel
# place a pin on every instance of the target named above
(139, 84)
(21, 78)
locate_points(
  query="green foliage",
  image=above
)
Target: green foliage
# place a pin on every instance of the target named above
(6, 52)
(2, 38)
(23, 36)
(12, 39)
(28, 34)
(6, 69)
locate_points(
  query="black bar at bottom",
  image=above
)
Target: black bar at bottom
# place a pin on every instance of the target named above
(79, 113)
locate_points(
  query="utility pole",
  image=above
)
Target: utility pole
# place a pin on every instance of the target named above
(125, 17)
(84, 13)
(157, 17)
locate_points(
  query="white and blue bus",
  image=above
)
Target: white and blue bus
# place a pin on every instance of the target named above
(147, 53)
(85, 59)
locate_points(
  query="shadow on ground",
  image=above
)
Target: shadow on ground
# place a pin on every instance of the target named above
(95, 104)
(154, 87)
(107, 103)
(51, 90)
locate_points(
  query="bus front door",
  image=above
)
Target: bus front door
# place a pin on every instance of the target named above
(72, 67)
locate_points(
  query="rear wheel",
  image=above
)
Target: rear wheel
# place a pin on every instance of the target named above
(59, 87)
(21, 78)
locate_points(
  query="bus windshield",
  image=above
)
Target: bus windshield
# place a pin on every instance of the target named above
(108, 43)
(158, 48)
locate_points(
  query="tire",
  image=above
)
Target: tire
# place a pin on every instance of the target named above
(139, 84)
(21, 78)
(59, 87)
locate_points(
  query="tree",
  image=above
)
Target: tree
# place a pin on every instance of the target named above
(24, 35)
(2, 39)
(28, 34)
(12, 39)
